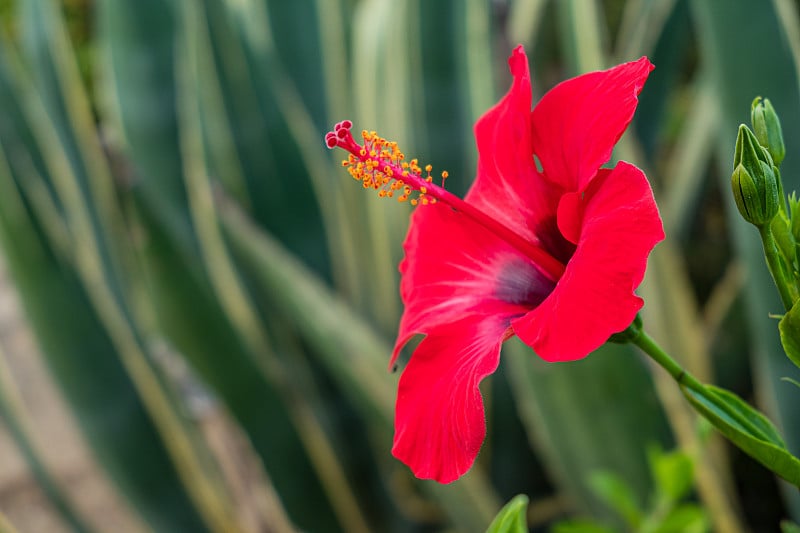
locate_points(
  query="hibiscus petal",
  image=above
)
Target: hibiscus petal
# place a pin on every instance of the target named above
(508, 186)
(575, 126)
(619, 226)
(455, 268)
(439, 421)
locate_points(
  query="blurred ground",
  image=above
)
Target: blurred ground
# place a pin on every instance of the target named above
(55, 437)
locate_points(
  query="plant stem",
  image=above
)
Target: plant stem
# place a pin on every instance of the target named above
(685, 379)
(657, 354)
(775, 264)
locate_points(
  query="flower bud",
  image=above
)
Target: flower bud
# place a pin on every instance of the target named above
(767, 128)
(754, 184)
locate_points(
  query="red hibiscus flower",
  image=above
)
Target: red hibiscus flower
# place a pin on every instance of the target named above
(547, 245)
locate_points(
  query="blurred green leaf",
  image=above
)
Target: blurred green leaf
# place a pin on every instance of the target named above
(618, 495)
(581, 526)
(185, 305)
(142, 85)
(73, 337)
(80, 178)
(512, 517)
(789, 527)
(673, 473)
(686, 518)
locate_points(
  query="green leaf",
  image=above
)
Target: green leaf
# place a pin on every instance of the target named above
(789, 527)
(581, 526)
(789, 326)
(673, 473)
(748, 429)
(512, 517)
(617, 494)
(688, 518)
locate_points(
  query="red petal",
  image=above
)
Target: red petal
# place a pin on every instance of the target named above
(620, 225)
(508, 187)
(576, 124)
(455, 268)
(439, 422)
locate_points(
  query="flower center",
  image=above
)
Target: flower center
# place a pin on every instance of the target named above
(380, 165)
(519, 283)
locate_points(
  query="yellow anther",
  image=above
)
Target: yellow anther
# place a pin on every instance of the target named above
(380, 165)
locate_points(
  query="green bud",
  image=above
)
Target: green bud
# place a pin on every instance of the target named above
(754, 185)
(767, 128)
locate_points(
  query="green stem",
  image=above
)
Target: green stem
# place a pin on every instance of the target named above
(775, 264)
(685, 379)
(657, 354)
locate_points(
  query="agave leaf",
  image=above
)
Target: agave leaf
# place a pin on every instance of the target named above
(81, 181)
(180, 287)
(34, 145)
(231, 293)
(77, 347)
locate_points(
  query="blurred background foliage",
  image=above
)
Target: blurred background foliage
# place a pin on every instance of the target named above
(215, 300)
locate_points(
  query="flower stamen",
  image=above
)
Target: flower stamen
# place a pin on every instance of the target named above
(380, 165)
